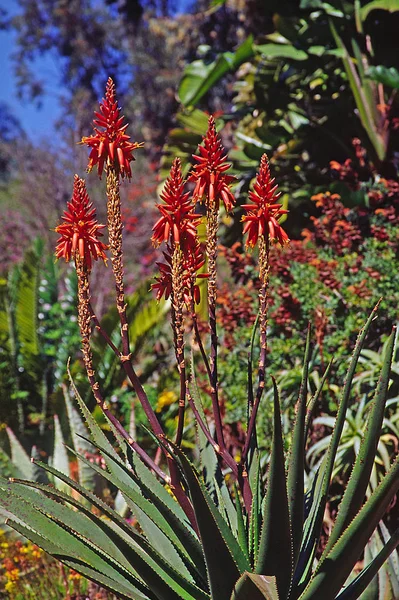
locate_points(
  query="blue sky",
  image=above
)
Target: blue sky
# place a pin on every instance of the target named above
(38, 122)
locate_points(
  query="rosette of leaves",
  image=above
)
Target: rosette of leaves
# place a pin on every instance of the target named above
(227, 554)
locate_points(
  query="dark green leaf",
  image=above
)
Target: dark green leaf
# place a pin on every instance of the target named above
(275, 549)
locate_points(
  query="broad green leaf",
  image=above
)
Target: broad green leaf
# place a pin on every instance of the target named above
(389, 5)
(281, 51)
(363, 105)
(26, 309)
(386, 76)
(199, 77)
(255, 587)
(275, 548)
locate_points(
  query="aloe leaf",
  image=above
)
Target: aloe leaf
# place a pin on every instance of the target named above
(296, 462)
(354, 494)
(154, 526)
(18, 455)
(255, 515)
(49, 529)
(255, 587)
(148, 563)
(393, 562)
(95, 431)
(60, 457)
(315, 397)
(37, 474)
(241, 529)
(81, 521)
(275, 551)
(223, 555)
(127, 592)
(353, 590)
(154, 491)
(314, 511)
(315, 518)
(211, 471)
(332, 573)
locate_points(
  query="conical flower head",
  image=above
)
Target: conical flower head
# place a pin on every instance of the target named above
(80, 230)
(178, 222)
(110, 145)
(263, 213)
(209, 174)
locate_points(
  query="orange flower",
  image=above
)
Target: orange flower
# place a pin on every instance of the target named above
(178, 223)
(80, 230)
(210, 174)
(110, 145)
(263, 214)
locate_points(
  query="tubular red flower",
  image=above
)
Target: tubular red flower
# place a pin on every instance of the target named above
(209, 174)
(110, 145)
(263, 214)
(80, 230)
(178, 222)
(192, 263)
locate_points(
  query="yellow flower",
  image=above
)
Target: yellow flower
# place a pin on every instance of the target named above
(9, 586)
(165, 399)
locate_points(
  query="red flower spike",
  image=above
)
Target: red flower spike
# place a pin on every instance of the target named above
(209, 174)
(263, 214)
(80, 230)
(178, 222)
(192, 263)
(110, 145)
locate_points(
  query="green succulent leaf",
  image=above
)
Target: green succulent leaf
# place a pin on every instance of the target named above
(60, 457)
(18, 455)
(321, 484)
(127, 592)
(275, 548)
(356, 489)
(333, 571)
(224, 557)
(354, 589)
(295, 479)
(255, 587)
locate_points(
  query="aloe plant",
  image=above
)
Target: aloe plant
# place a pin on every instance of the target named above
(223, 529)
